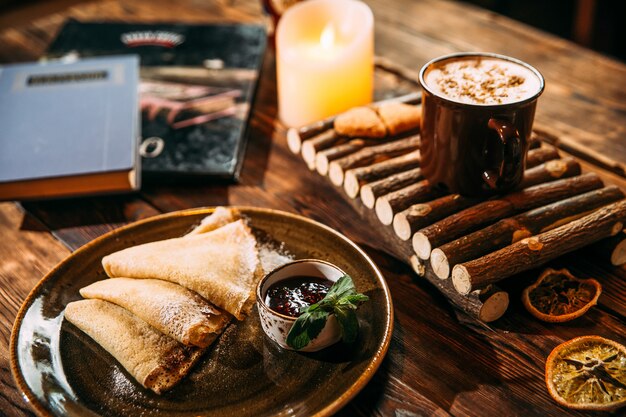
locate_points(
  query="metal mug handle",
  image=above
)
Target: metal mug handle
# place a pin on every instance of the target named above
(510, 152)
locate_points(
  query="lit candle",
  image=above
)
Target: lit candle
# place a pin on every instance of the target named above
(324, 59)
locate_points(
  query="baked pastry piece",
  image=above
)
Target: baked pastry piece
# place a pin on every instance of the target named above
(222, 265)
(221, 216)
(400, 117)
(156, 361)
(171, 309)
(362, 122)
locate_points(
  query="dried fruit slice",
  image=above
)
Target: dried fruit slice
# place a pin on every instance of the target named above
(588, 373)
(558, 296)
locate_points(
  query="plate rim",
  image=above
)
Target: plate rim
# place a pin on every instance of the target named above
(347, 395)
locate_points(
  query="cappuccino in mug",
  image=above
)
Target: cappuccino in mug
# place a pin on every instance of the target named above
(482, 81)
(477, 115)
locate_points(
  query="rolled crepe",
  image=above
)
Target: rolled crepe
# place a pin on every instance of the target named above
(156, 361)
(174, 310)
(222, 265)
(221, 216)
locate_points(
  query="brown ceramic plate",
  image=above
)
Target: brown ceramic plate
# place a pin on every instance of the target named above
(63, 372)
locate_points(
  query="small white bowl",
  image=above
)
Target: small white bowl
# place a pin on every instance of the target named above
(275, 325)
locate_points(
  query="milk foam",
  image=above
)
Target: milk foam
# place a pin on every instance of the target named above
(482, 81)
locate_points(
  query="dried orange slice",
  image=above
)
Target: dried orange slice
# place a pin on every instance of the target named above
(558, 296)
(588, 373)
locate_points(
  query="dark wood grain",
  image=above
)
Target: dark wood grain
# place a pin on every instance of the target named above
(436, 365)
(28, 252)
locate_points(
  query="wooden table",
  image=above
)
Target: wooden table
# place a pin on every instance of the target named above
(436, 365)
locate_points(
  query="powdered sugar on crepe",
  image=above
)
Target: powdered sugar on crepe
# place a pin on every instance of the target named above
(272, 257)
(222, 265)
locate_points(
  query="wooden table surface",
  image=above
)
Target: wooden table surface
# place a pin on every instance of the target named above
(436, 365)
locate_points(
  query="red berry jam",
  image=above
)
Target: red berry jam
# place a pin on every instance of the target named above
(290, 296)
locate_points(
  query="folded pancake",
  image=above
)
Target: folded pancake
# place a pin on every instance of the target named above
(155, 360)
(222, 265)
(221, 216)
(174, 310)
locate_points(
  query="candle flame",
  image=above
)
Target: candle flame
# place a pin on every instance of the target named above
(327, 38)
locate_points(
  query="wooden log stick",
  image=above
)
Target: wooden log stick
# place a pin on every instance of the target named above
(296, 136)
(480, 215)
(535, 251)
(550, 171)
(549, 192)
(487, 305)
(418, 216)
(513, 229)
(418, 265)
(372, 191)
(388, 205)
(355, 178)
(540, 155)
(323, 158)
(370, 155)
(320, 142)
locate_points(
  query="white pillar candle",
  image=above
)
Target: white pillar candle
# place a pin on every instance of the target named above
(324, 59)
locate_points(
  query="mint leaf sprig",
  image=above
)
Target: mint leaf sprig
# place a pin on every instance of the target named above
(342, 300)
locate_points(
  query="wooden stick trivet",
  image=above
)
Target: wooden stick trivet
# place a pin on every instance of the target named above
(513, 229)
(410, 220)
(369, 155)
(356, 177)
(371, 192)
(535, 251)
(485, 304)
(322, 159)
(470, 219)
(296, 136)
(403, 198)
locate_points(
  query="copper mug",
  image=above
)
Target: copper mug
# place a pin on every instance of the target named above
(475, 148)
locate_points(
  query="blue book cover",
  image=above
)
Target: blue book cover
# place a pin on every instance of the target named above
(69, 128)
(197, 85)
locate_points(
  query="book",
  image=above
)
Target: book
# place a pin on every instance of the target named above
(197, 88)
(69, 128)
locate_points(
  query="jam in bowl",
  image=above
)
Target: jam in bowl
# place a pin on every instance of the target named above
(286, 291)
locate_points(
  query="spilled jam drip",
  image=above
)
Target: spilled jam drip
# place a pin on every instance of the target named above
(292, 295)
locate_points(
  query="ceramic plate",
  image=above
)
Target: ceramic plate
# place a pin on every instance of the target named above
(63, 372)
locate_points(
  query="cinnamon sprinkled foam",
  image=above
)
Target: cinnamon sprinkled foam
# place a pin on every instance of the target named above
(482, 81)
